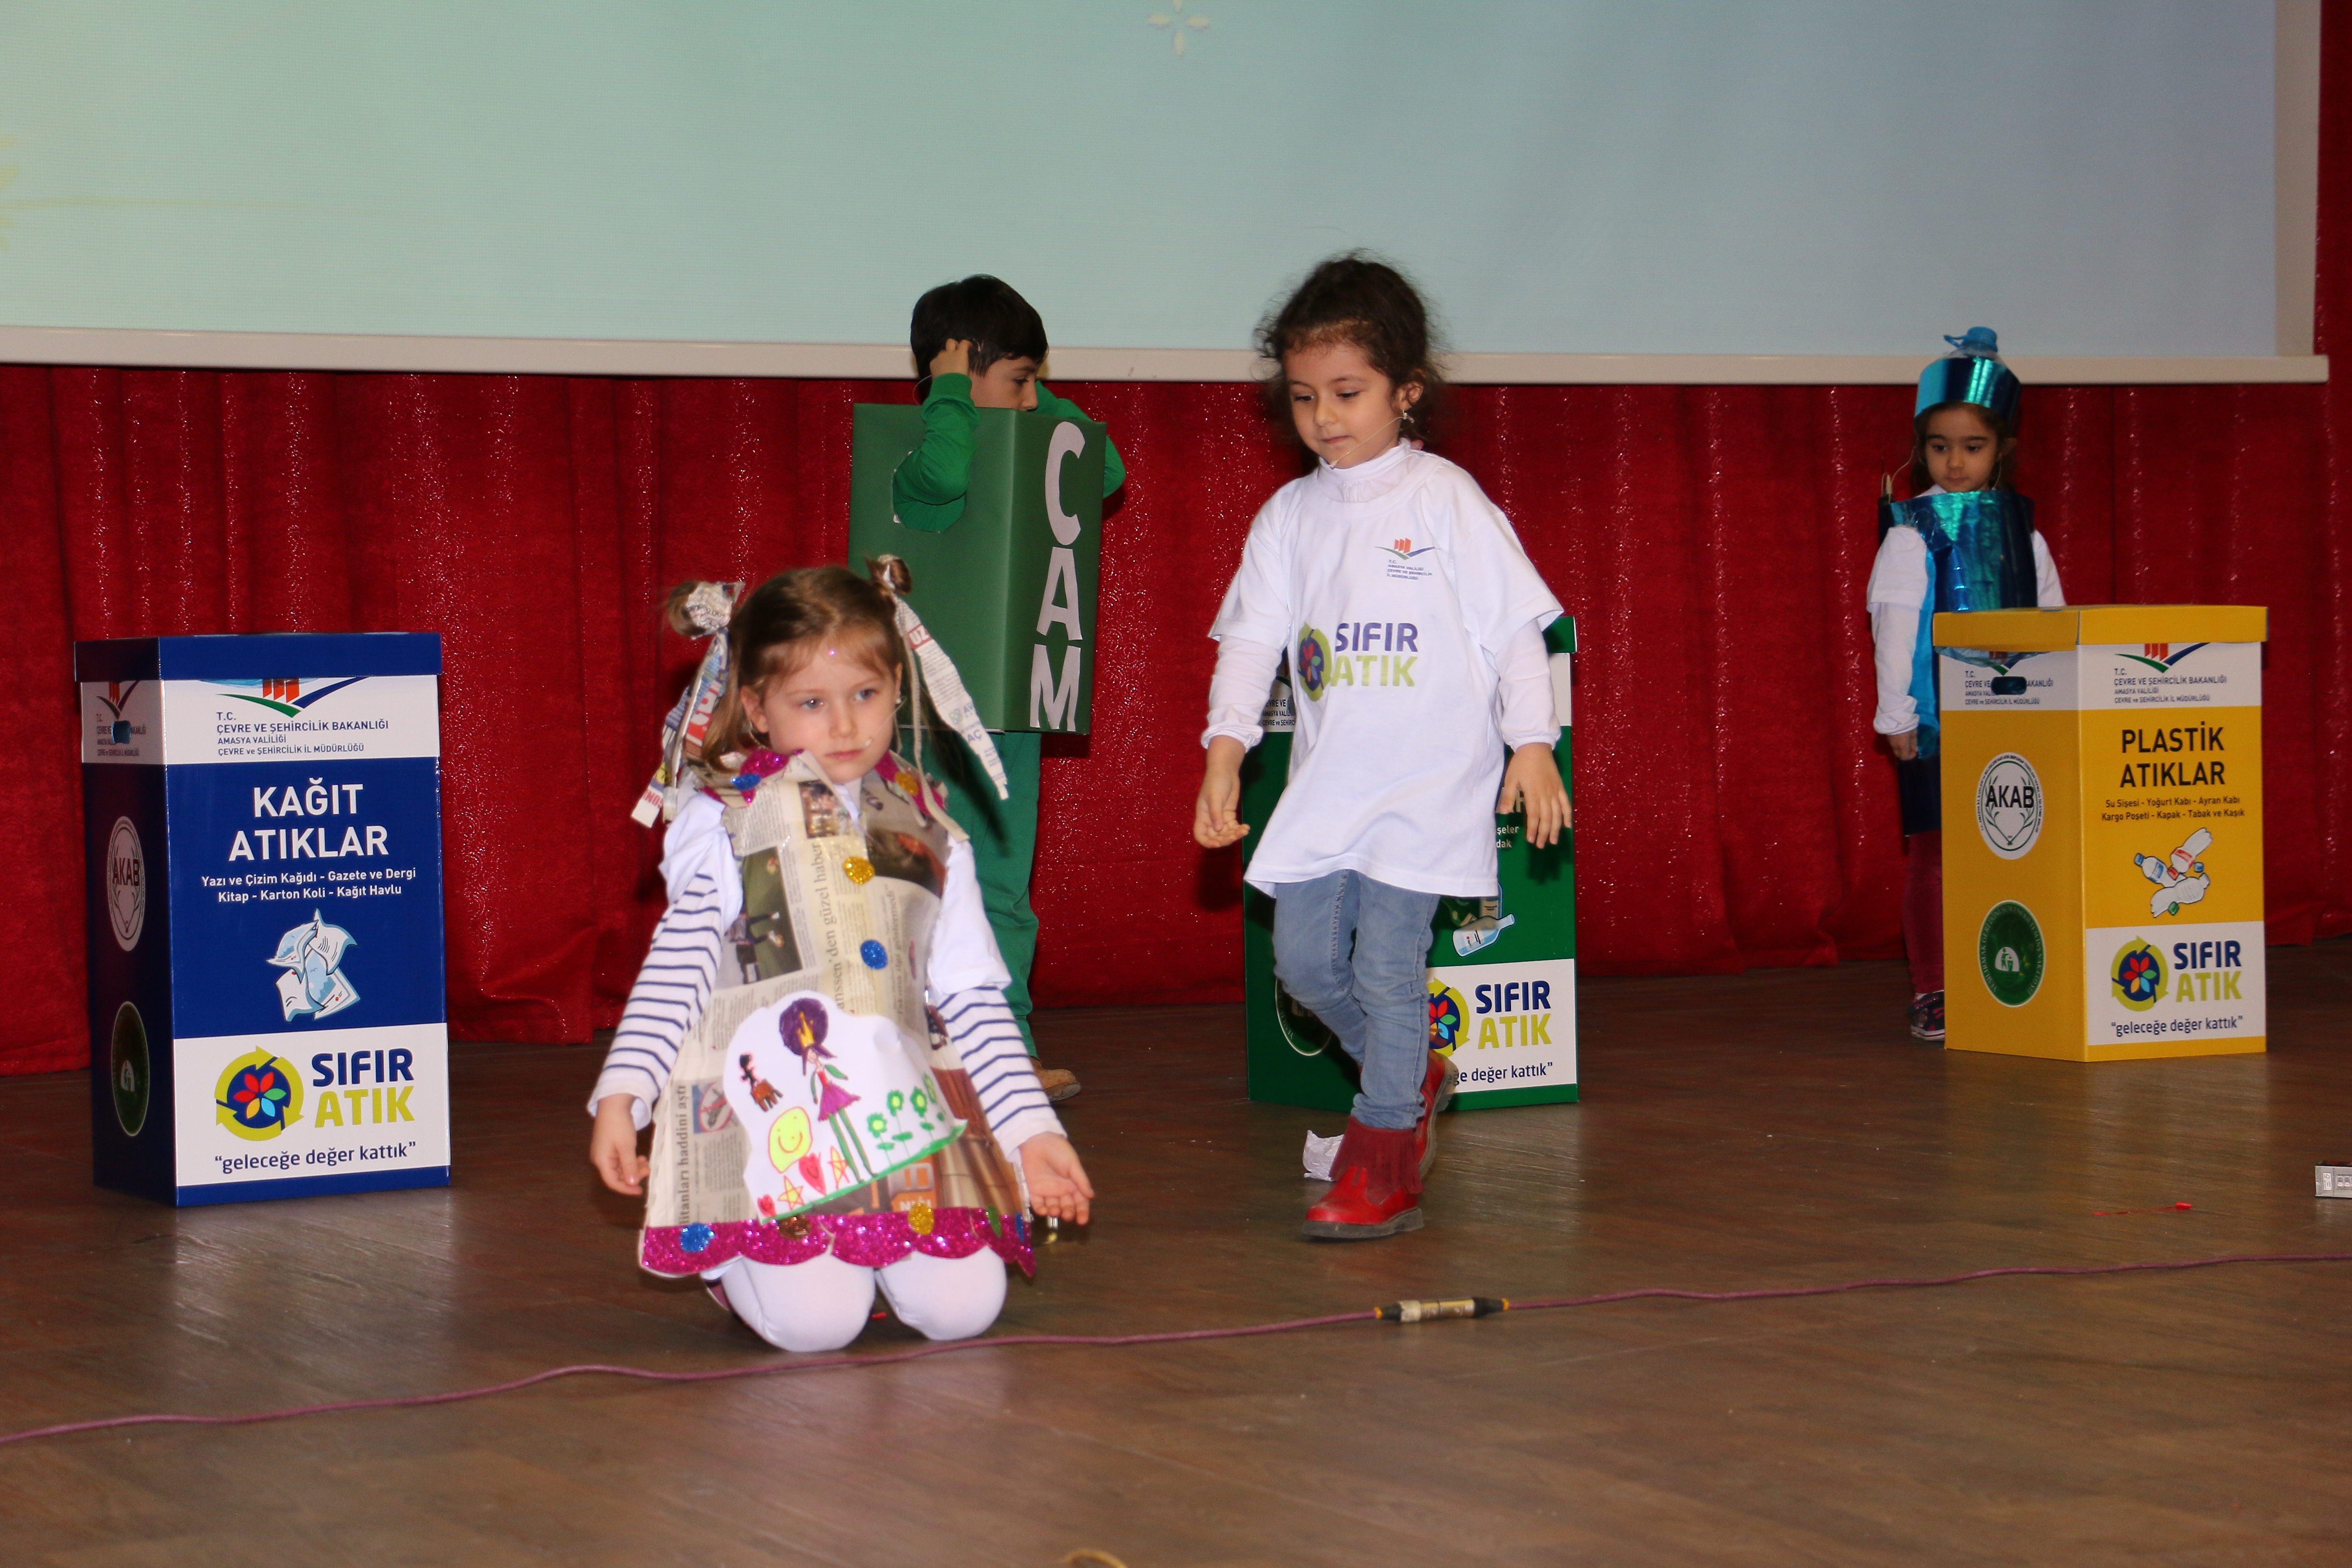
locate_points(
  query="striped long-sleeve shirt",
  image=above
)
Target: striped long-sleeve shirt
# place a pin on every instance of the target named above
(674, 985)
(967, 977)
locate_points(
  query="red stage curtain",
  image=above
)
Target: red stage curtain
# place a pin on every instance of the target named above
(1712, 541)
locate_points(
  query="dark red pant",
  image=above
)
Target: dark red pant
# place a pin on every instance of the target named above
(1923, 910)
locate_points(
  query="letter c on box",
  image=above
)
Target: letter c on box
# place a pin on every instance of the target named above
(1068, 442)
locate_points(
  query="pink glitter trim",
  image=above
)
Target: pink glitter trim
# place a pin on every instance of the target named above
(757, 767)
(867, 1240)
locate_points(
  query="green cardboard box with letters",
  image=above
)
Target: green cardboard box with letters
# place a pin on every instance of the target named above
(1009, 588)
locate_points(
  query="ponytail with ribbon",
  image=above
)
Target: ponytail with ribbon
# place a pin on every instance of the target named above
(931, 666)
(696, 610)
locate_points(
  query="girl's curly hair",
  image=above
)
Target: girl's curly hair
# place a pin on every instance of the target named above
(1359, 299)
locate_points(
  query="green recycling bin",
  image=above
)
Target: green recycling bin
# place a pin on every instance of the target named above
(1502, 970)
(1009, 589)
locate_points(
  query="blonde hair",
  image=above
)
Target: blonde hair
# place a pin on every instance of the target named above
(779, 626)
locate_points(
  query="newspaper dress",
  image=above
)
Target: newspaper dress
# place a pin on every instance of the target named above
(817, 1105)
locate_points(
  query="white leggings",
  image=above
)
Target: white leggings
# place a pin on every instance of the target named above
(821, 1304)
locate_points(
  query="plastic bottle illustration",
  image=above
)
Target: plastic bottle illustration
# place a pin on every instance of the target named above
(1482, 928)
(2179, 880)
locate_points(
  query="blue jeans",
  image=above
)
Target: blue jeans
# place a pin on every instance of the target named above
(1355, 953)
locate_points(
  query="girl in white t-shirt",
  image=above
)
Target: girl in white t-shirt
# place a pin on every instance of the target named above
(1413, 621)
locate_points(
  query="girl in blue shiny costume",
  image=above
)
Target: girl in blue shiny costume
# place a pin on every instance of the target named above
(1963, 442)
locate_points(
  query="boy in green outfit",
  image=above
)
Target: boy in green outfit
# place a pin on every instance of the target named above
(978, 344)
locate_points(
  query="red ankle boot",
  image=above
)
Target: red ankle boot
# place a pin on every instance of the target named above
(1436, 1094)
(1375, 1186)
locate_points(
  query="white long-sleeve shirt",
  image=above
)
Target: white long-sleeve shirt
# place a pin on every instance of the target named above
(1899, 593)
(965, 982)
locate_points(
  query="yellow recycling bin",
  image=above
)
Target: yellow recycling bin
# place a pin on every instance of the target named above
(2103, 830)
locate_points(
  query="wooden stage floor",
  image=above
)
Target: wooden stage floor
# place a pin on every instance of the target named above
(1762, 1131)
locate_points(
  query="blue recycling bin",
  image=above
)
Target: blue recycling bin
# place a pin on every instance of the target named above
(261, 821)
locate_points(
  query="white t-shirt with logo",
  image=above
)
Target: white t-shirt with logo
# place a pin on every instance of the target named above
(1395, 585)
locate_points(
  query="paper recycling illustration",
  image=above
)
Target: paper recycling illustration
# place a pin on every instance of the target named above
(312, 986)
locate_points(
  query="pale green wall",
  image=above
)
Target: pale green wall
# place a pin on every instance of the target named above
(1845, 176)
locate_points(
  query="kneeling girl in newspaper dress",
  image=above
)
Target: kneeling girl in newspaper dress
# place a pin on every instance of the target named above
(819, 1034)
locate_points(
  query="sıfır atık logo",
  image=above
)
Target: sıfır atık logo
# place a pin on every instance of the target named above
(1313, 662)
(1449, 1015)
(257, 1096)
(2136, 977)
(285, 694)
(2008, 805)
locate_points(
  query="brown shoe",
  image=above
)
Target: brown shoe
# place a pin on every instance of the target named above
(1059, 1083)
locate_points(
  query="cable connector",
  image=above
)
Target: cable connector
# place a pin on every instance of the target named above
(1425, 1311)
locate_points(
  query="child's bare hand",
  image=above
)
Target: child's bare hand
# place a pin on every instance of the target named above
(1058, 1188)
(613, 1146)
(1904, 746)
(1216, 814)
(953, 360)
(1532, 779)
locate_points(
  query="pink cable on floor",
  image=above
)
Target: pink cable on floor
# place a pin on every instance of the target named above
(2173, 1266)
(648, 1374)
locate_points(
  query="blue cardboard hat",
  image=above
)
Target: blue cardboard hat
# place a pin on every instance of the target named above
(1971, 373)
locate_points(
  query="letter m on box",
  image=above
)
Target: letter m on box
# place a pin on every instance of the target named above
(1052, 704)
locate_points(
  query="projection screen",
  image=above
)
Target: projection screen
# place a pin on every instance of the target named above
(1690, 190)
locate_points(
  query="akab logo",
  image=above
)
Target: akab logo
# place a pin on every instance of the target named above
(1313, 662)
(2136, 975)
(2008, 805)
(257, 1097)
(126, 883)
(284, 694)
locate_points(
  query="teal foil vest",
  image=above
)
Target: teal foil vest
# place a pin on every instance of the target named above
(1979, 557)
